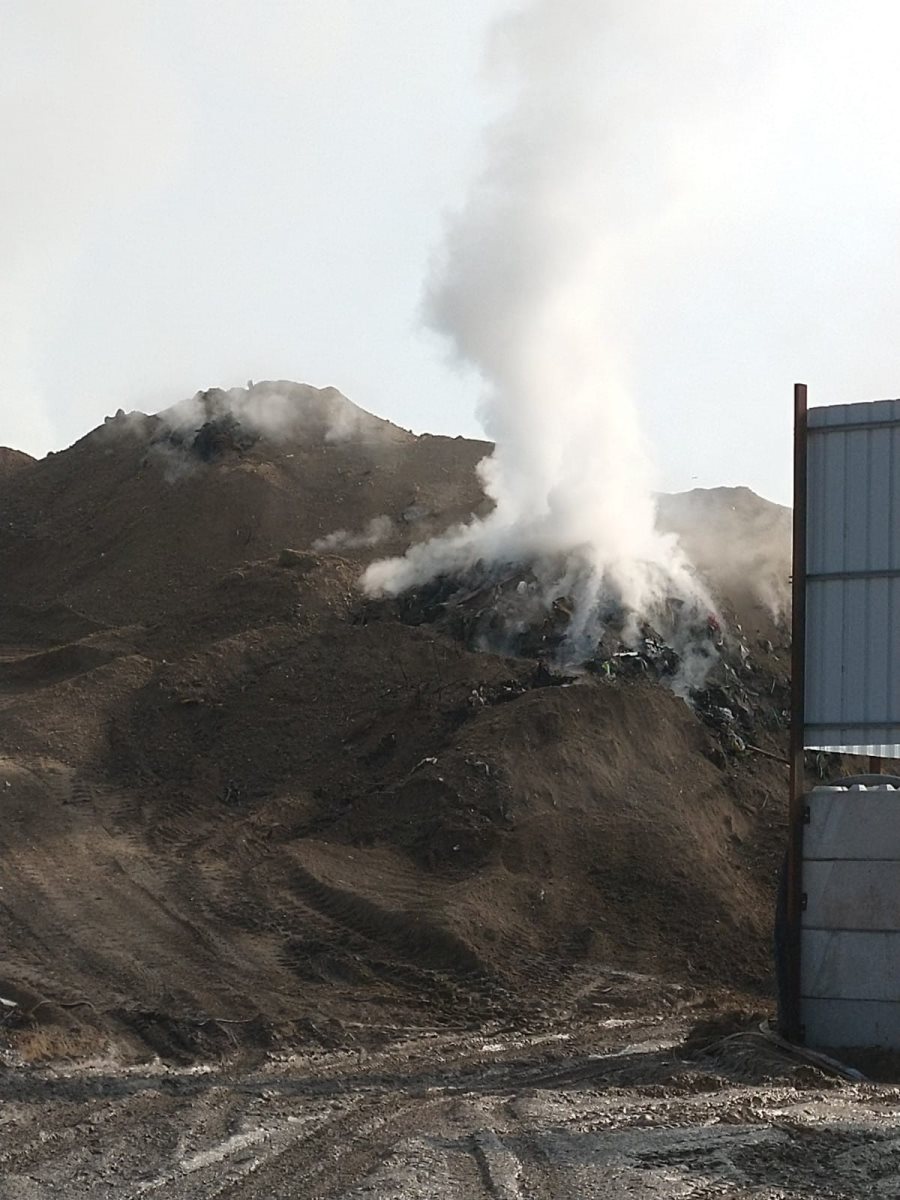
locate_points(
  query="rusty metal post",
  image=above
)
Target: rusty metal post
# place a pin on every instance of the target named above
(794, 883)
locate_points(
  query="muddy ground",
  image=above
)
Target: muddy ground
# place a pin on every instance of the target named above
(618, 1107)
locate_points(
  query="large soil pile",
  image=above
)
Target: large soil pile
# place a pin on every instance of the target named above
(240, 801)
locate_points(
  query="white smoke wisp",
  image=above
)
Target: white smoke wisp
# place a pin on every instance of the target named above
(280, 410)
(285, 414)
(378, 530)
(527, 289)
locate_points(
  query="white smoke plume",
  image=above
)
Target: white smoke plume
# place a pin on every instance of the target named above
(529, 288)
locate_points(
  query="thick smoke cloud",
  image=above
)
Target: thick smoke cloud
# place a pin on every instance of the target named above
(529, 288)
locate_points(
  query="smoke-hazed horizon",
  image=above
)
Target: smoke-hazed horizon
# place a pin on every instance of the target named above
(526, 288)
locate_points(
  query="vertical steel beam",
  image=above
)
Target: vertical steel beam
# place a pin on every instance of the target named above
(792, 1017)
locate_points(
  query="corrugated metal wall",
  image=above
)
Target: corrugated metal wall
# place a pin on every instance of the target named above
(853, 579)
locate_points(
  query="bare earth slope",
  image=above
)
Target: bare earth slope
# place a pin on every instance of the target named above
(242, 806)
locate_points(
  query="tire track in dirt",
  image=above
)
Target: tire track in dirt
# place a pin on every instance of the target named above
(66, 876)
(322, 934)
(268, 1150)
(77, 1138)
(339, 1153)
(423, 957)
(44, 886)
(431, 1117)
(500, 1169)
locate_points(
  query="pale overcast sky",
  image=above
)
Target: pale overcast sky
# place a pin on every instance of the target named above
(198, 192)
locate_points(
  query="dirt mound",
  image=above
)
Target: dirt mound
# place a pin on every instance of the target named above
(239, 797)
(146, 512)
(12, 462)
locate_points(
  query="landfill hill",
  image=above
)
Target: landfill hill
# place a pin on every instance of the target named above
(243, 804)
(13, 461)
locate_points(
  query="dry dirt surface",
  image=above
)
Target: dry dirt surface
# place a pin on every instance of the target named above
(302, 895)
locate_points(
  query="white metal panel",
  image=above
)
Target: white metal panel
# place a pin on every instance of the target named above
(850, 928)
(851, 895)
(844, 965)
(848, 825)
(835, 1024)
(853, 579)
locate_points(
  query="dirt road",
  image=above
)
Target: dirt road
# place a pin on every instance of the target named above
(620, 1110)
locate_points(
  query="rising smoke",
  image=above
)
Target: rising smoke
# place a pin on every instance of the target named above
(378, 530)
(528, 288)
(280, 410)
(197, 429)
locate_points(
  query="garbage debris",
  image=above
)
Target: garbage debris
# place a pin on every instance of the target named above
(699, 654)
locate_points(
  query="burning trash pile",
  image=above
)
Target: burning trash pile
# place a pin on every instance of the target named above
(738, 689)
